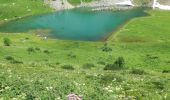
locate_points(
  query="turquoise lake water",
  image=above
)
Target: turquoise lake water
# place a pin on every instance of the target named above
(75, 24)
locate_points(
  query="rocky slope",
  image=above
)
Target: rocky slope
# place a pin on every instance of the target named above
(67, 4)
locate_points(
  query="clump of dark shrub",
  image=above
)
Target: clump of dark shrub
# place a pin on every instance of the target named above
(7, 42)
(68, 67)
(29, 96)
(88, 66)
(166, 71)
(26, 38)
(30, 50)
(47, 51)
(158, 84)
(71, 55)
(151, 57)
(16, 62)
(138, 71)
(101, 63)
(106, 48)
(12, 60)
(117, 65)
(9, 58)
(38, 49)
(57, 63)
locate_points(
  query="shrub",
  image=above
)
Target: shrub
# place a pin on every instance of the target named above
(46, 51)
(138, 71)
(9, 58)
(120, 62)
(38, 49)
(88, 66)
(26, 38)
(158, 84)
(68, 67)
(166, 71)
(12, 60)
(7, 42)
(30, 49)
(57, 63)
(71, 55)
(105, 48)
(29, 96)
(117, 65)
(101, 63)
(16, 62)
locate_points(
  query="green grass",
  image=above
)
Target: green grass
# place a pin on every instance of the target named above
(143, 43)
(12, 9)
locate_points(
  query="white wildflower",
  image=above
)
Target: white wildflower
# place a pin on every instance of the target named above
(110, 91)
(49, 88)
(7, 88)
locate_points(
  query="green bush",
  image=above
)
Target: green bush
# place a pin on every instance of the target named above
(30, 49)
(71, 55)
(38, 49)
(117, 65)
(101, 63)
(138, 71)
(7, 42)
(46, 51)
(158, 84)
(68, 67)
(166, 71)
(16, 62)
(9, 58)
(88, 66)
(105, 48)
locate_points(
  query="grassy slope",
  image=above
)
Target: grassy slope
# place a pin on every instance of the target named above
(19, 8)
(41, 75)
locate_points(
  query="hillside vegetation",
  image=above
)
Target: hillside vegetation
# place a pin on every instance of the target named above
(12, 9)
(134, 63)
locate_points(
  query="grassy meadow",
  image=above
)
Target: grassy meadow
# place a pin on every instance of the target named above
(13, 9)
(34, 68)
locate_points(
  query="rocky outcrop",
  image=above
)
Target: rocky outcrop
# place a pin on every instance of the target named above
(59, 4)
(156, 4)
(64, 4)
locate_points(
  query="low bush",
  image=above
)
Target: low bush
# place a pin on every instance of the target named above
(88, 66)
(38, 49)
(46, 51)
(27, 38)
(138, 71)
(68, 67)
(16, 62)
(12, 60)
(7, 42)
(9, 58)
(117, 65)
(158, 84)
(71, 55)
(166, 71)
(105, 48)
(30, 50)
(101, 63)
